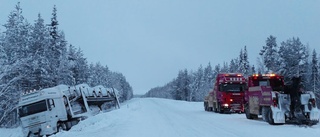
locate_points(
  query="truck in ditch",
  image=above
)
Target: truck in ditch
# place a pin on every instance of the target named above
(47, 111)
(278, 103)
(227, 95)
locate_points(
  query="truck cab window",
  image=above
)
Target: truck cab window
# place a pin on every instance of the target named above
(232, 87)
(263, 83)
(33, 108)
(50, 103)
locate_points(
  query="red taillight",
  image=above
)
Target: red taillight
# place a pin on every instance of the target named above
(231, 100)
(275, 102)
(313, 102)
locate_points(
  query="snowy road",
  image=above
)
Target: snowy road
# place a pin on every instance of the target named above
(151, 117)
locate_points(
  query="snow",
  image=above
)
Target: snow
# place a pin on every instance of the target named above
(153, 117)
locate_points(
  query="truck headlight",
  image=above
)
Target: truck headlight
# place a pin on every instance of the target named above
(225, 105)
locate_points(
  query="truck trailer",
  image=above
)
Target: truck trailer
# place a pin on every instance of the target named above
(50, 110)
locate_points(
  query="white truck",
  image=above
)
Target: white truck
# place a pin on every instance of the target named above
(47, 111)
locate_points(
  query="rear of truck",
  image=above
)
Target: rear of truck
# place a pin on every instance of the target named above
(278, 104)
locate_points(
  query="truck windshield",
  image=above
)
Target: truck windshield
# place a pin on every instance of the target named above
(232, 87)
(33, 108)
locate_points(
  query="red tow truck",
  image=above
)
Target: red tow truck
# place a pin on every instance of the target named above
(278, 103)
(227, 95)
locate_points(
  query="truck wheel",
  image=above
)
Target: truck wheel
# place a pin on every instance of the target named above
(269, 118)
(205, 106)
(248, 114)
(209, 109)
(215, 110)
(265, 112)
(219, 108)
(61, 127)
(246, 110)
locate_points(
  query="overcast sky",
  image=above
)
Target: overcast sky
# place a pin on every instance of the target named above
(149, 41)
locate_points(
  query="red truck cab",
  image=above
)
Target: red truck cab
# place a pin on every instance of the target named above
(227, 95)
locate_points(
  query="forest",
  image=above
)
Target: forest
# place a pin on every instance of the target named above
(291, 58)
(34, 56)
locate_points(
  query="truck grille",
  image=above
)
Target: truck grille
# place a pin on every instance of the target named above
(237, 99)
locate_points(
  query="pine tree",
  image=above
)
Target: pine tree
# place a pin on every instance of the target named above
(261, 67)
(315, 72)
(39, 51)
(78, 65)
(54, 33)
(217, 70)
(225, 67)
(270, 55)
(15, 45)
(246, 64)
(306, 70)
(241, 61)
(3, 54)
(253, 70)
(199, 84)
(293, 56)
(234, 65)
(58, 46)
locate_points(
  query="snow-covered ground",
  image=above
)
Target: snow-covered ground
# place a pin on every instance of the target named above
(152, 117)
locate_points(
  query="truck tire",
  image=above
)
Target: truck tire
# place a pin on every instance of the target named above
(205, 106)
(265, 114)
(219, 108)
(61, 127)
(248, 114)
(215, 109)
(269, 117)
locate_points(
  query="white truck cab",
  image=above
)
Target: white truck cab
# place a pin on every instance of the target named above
(41, 111)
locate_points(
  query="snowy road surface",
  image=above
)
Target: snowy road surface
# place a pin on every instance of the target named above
(151, 117)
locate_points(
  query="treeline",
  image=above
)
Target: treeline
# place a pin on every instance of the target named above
(37, 55)
(290, 59)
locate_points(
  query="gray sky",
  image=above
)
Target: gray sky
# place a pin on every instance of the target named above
(149, 41)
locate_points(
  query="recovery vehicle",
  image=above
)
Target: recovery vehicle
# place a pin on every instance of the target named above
(47, 111)
(227, 95)
(278, 103)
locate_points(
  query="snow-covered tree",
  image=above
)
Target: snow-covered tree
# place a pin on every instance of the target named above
(253, 70)
(270, 54)
(199, 84)
(182, 87)
(78, 65)
(241, 67)
(261, 67)
(315, 81)
(234, 65)
(225, 67)
(100, 75)
(39, 51)
(58, 49)
(36, 57)
(13, 70)
(246, 64)
(293, 56)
